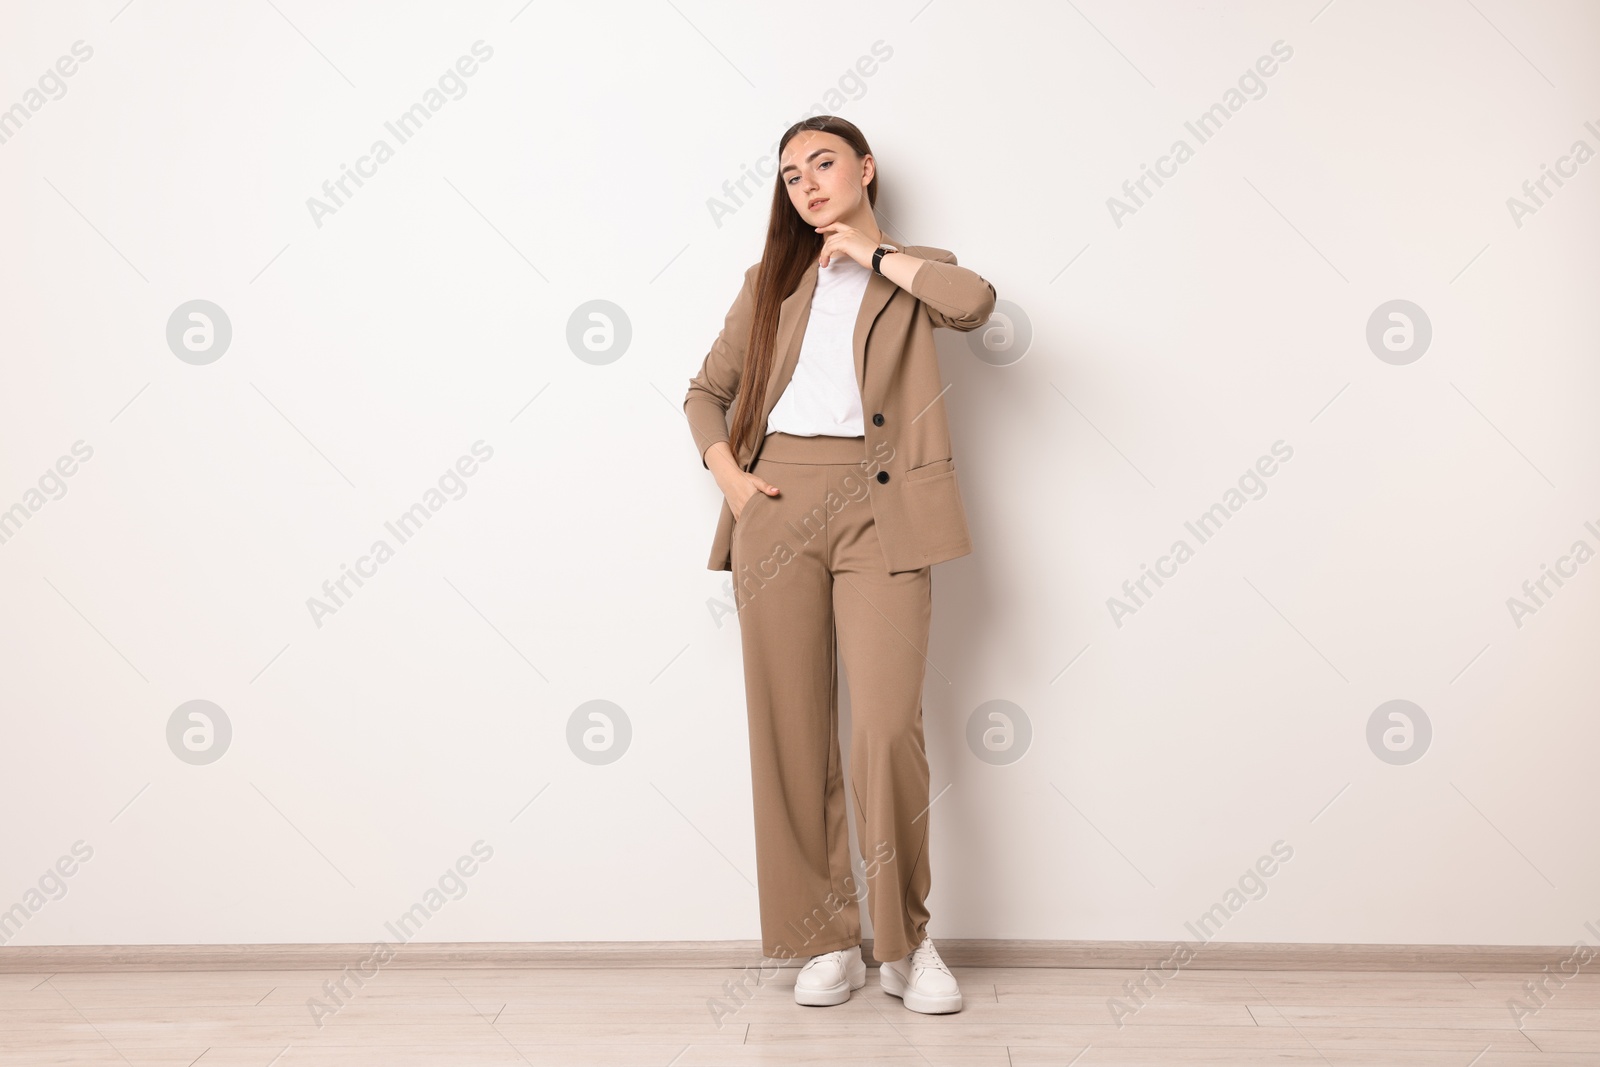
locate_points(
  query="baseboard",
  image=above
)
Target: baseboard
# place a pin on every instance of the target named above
(1129, 955)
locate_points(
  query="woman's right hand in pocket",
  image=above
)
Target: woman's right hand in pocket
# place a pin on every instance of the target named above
(746, 487)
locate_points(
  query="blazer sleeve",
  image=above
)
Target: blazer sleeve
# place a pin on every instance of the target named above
(711, 391)
(956, 298)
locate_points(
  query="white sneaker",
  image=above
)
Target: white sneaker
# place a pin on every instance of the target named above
(921, 981)
(828, 978)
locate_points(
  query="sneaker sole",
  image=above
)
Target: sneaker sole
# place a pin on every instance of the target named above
(919, 1002)
(837, 994)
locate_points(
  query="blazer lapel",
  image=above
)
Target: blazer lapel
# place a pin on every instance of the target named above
(796, 312)
(879, 290)
(793, 315)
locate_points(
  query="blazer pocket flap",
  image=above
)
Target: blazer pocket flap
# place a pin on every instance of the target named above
(929, 470)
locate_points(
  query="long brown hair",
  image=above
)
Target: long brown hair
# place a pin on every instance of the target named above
(792, 246)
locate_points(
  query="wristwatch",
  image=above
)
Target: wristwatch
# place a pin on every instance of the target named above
(877, 257)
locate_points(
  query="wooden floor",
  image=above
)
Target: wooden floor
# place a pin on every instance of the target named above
(1014, 1017)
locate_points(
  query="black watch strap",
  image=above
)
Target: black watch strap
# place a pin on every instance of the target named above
(877, 257)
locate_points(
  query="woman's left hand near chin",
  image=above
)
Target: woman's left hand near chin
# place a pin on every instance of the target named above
(845, 240)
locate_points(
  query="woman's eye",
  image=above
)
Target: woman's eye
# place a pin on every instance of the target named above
(825, 163)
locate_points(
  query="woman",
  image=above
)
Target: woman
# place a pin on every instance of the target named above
(840, 494)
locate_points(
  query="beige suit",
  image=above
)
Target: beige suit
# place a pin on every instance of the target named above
(915, 501)
(838, 566)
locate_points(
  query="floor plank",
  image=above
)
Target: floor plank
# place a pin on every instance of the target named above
(731, 1017)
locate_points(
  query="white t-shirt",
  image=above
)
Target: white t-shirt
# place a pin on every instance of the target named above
(822, 398)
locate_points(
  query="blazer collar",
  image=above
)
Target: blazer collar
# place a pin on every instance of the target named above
(796, 312)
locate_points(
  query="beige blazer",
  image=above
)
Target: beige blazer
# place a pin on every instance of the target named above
(916, 503)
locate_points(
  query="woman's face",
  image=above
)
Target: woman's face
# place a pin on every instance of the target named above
(818, 166)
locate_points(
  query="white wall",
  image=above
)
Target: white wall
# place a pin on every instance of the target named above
(1160, 358)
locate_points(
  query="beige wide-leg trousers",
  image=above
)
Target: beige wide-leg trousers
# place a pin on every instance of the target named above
(808, 573)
